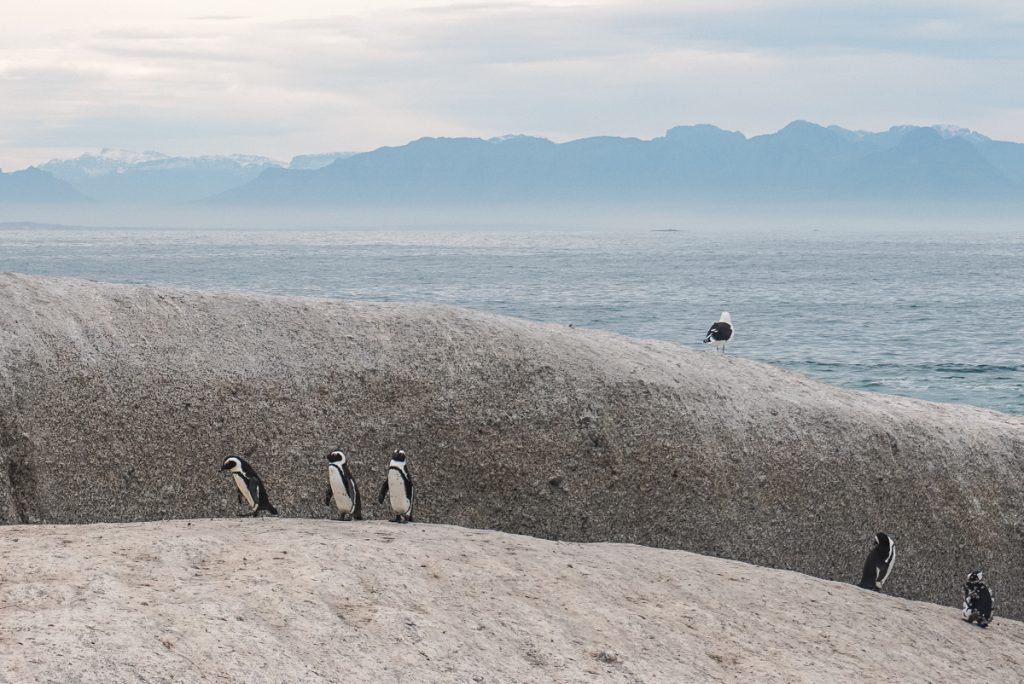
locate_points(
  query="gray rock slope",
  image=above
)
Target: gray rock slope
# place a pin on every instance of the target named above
(314, 601)
(118, 403)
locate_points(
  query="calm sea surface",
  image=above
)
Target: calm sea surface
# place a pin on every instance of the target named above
(940, 318)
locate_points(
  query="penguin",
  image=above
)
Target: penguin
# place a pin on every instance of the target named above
(720, 333)
(250, 488)
(879, 562)
(978, 600)
(343, 487)
(398, 485)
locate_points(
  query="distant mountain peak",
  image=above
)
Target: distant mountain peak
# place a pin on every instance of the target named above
(310, 162)
(124, 156)
(33, 185)
(802, 125)
(945, 131)
(950, 131)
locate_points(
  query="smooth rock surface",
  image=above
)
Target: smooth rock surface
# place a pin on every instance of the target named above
(118, 403)
(318, 601)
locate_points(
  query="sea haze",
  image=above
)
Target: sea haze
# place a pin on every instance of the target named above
(938, 317)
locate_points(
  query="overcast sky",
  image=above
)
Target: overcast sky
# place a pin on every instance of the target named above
(285, 78)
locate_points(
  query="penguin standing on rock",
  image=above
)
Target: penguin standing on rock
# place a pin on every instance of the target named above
(879, 562)
(343, 488)
(978, 600)
(250, 488)
(398, 487)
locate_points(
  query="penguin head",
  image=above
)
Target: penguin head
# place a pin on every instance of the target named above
(883, 539)
(232, 463)
(975, 576)
(337, 457)
(398, 457)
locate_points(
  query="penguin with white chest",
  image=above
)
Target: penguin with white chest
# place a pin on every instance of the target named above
(398, 488)
(343, 488)
(879, 562)
(250, 488)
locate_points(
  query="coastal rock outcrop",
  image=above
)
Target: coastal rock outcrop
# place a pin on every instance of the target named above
(118, 403)
(317, 601)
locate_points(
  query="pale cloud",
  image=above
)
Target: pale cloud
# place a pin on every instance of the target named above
(280, 79)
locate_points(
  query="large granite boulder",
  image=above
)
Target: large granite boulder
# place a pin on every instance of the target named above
(118, 403)
(316, 602)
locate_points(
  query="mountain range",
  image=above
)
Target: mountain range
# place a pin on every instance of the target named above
(120, 176)
(32, 186)
(803, 162)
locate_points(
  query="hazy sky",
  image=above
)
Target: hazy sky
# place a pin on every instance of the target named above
(284, 78)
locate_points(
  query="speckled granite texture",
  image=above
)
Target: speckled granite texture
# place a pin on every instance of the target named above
(118, 403)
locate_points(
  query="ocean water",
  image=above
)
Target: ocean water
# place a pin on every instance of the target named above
(934, 317)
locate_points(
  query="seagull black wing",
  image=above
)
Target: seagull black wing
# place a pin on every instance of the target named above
(719, 332)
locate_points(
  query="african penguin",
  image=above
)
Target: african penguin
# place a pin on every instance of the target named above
(720, 333)
(250, 488)
(343, 487)
(398, 486)
(978, 600)
(879, 562)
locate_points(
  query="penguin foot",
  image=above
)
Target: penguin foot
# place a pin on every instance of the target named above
(397, 519)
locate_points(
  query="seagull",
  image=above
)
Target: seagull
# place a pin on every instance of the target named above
(720, 332)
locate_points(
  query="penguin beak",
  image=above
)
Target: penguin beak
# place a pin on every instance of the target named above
(225, 467)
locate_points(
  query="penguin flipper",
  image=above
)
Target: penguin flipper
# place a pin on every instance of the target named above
(327, 499)
(256, 492)
(351, 489)
(383, 491)
(408, 488)
(357, 512)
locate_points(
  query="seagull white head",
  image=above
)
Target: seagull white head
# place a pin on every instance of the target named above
(725, 318)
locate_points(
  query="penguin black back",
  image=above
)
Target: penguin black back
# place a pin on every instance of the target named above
(879, 562)
(978, 600)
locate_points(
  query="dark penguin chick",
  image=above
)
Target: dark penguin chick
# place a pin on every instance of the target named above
(342, 487)
(978, 600)
(398, 488)
(879, 562)
(720, 332)
(250, 488)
